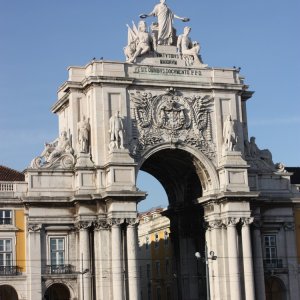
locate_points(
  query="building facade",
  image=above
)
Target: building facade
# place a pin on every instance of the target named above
(73, 231)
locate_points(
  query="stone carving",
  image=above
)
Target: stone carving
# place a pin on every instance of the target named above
(231, 221)
(280, 168)
(246, 221)
(115, 221)
(83, 135)
(165, 18)
(289, 226)
(101, 224)
(34, 227)
(258, 159)
(132, 221)
(139, 42)
(187, 48)
(57, 154)
(229, 135)
(83, 225)
(215, 224)
(173, 118)
(116, 129)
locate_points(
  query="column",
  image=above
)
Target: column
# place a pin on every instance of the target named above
(85, 260)
(117, 261)
(247, 259)
(34, 262)
(215, 227)
(234, 271)
(291, 255)
(133, 276)
(102, 259)
(258, 262)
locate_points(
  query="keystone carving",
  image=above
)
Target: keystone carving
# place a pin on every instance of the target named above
(172, 118)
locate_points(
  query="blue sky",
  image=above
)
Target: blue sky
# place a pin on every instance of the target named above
(39, 39)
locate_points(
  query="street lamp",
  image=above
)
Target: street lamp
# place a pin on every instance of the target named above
(205, 259)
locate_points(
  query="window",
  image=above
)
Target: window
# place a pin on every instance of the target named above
(166, 238)
(148, 271)
(167, 266)
(168, 293)
(157, 267)
(271, 260)
(156, 240)
(5, 217)
(147, 242)
(57, 251)
(270, 247)
(5, 252)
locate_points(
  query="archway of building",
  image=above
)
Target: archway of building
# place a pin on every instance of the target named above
(57, 291)
(275, 289)
(179, 173)
(8, 292)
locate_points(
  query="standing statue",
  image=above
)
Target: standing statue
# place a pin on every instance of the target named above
(185, 45)
(165, 19)
(143, 42)
(116, 131)
(83, 135)
(229, 135)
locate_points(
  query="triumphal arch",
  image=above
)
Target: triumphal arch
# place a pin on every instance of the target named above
(166, 112)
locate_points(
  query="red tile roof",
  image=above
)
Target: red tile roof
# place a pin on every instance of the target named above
(7, 174)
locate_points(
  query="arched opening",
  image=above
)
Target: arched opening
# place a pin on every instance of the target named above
(8, 292)
(275, 289)
(177, 172)
(57, 291)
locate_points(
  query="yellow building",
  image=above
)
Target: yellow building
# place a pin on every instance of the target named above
(12, 235)
(156, 263)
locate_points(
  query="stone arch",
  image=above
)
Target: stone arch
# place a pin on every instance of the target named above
(58, 290)
(275, 288)
(204, 168)
(8, 292)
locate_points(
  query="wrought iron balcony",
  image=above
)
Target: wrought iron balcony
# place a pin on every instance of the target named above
(273, 263)
(10, 270)
(60, 269)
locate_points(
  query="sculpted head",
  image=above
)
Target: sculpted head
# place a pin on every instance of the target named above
(142, 26)
(162, 1)
(187, 30)
(63, 134)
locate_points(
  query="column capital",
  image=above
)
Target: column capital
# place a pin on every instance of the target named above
(132, 221)
(231, 221)
(83, 225)
(214, 224)
(246, 221)
(114, 222)
(289, 226)
(257, 223)
(102, 224)
(34, 227)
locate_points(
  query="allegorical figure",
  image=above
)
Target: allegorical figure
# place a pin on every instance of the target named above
(56, 148)
(185, 45)
(143, 41)
(165, 19)
(83, 135)
(255, 152)
(116, 131)
(229, 135)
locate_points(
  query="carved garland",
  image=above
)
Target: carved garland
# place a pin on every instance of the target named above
(173, 118)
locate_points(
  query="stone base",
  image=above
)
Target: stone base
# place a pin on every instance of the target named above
(84, 161)
(120, 156)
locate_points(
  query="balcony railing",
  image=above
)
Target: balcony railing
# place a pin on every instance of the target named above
(60, 269)
(10, 270)
(273, 263)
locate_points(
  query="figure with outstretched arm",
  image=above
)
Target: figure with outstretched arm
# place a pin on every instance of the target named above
(165, 19)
